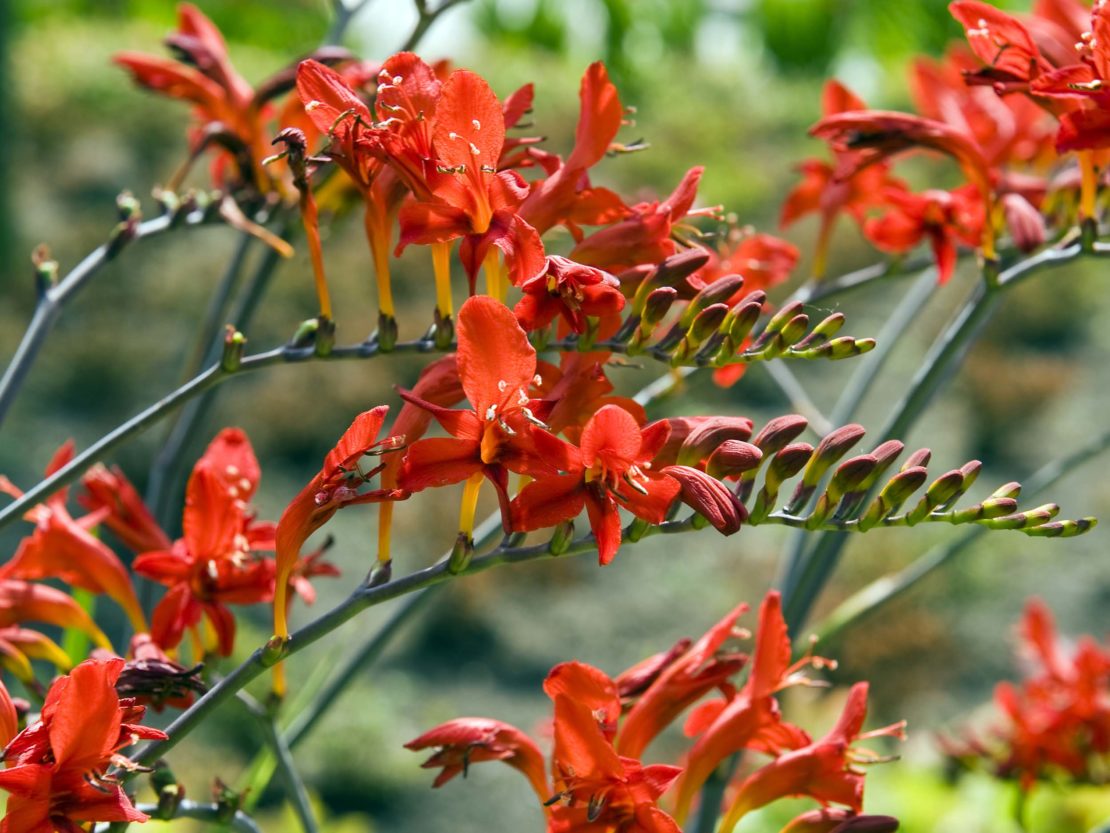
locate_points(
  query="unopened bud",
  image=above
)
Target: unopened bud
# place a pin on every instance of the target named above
(232, 356)
(732, 459)
(444, 333)
(461, 554)
(919, 458)
(718, 292)
(896, 492)
(780, 432)
(940, 493)
(742, 318)
(848, 477)
(1026, 224)
(46, 269)
(387, 332)
(657, 306)
(845, 347)
(1011, 489)
(561, 537)
(1029, 518)
(784, 465)
(834, 446)
(707, 433)
(780, 319)
(825, 330)
(710, 498)
(670, 272)
(1063, 529)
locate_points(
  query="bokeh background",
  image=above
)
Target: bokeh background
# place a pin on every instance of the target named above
(730, 84)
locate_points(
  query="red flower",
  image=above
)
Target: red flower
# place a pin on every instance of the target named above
(683, 680)
(336, 485)
(62, 547)
(472, 740)
(579, 388)
(57, 767)
(566, 195)
(1058, 718)
(110, 491)
(645, 235)
(213, 564)
(946, 218)
(610, 469)
(23, 602)
(568, 290)
(472, 199)
(497, 366)
(821, 770)
(999, 41)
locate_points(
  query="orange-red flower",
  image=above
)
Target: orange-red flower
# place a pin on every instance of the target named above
(213, 564)
(57, 768)
(108, 490)
(20, 602)
(62, 547)
(497, 367)
(945, 218)
(610, 469)
(570, 291)
(336, 485)
(822, 770)
(472, 198)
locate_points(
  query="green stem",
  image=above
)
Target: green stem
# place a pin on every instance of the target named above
(295, 789)
(868, 369)
(239, 821)
(52, 301)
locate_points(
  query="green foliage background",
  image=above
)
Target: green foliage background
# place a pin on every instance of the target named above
(731, 84)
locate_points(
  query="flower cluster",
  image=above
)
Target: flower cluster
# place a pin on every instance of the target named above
(1057, 720)
(602, 727)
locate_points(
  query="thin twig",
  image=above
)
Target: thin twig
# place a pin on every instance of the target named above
(238, 821)
(295, 789)
(52, 301)
(425, 20)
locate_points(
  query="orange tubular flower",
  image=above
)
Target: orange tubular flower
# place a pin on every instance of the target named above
(62, 547)
(473, 740)
(681, 683)
(472, 199)
(821, 770)
(213, 563)
(109, 490)
(826, 190)
(999, 41)
(23, 602)
(880, 134)
(946, 218)
(57, 767)
(645, 235)
(225, 103)
(610, 469)
(566, 196)
(750, 719)
(497, 366)
(1058, 718)
(336, 485)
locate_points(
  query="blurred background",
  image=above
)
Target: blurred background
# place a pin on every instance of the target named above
(729, 84)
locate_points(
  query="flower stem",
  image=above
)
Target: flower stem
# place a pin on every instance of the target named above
(441, 265)
(377, 234)
(469, 506)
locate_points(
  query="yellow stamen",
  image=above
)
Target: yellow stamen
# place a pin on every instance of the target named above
(378, 236)
(385, 529)
(441, 265)
(469, 506)
(1088, 188)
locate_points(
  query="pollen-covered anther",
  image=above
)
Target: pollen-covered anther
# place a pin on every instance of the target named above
(477, 124)
(312, 105)
(491, 412)
(532, 418)
(452, 135)
(475, 150)
(502, 386)
(397, 79)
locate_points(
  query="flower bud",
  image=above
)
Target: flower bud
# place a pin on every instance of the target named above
(657, 306)
(718, 292)
(1026, 224)
(848, 477)
(940, 493)
(897, 490)
(710, 498)
(919, 458)
(825, 330)
(669, 272)
(742, 317)
(779, 320)
(232, 356)
(834, 446)
(784, 465)
(1062, 529)
(708, 433)
(1011, 489)
(732, 458)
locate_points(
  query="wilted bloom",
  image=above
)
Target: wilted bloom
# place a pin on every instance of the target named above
(57, 768)
(570, 291)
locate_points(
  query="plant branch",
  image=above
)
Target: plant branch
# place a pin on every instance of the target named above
(425, 18)
(238, 821)
(295, 788)
(53, 299)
